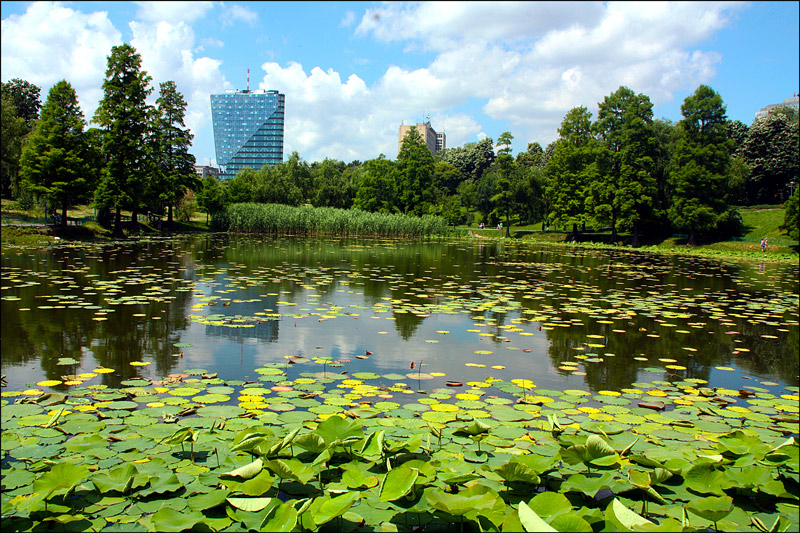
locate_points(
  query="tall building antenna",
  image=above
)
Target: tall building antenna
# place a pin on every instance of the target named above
(248, 80)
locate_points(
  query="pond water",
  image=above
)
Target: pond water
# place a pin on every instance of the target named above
(577, 319)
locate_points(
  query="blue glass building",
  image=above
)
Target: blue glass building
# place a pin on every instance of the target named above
(248, 129)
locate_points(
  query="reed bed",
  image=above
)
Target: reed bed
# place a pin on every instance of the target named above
(284, 219)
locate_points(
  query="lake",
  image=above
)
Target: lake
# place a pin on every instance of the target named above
(564, 318)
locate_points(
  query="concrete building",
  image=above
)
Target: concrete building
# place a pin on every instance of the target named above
(793, 102)
(203, 171)
(248, 129)
(436, 142)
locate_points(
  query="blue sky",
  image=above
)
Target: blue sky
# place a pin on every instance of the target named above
(353, 71)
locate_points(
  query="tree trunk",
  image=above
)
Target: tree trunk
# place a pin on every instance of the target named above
(118, 224)
(613, 226)
(64, 217)
(691, 241)
(574, 232)
(135, 220)
(508, 227)
(636, 242)
(169, 215)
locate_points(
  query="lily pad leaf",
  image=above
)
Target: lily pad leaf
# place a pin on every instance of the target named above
(168, 519)
(334, 507)
(282, 517)
(621, 518)
(397, 483)
(531, 521)
(713, 508)
(250, 504)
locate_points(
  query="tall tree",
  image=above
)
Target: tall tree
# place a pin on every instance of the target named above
(571, 168)
(701, 160)
(415, 169)
(532, 157)
(772, 153)
(377, 188)
(26, 98)
(14, 130)
(504, 197)
(54, 161)
(331, 188)
(172, 165)
(123, 114)
(626, 191)
(211, 196)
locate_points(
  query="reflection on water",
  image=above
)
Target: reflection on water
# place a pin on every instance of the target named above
(564, 318)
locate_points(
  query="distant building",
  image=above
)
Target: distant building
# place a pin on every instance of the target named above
(793, 102)
(248, 129)
(203, 171)
(436, 141)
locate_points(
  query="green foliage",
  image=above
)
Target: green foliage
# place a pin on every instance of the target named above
(171, 165)
(626, 190)
(771, 152)
(415, 169)
(571, 169)
(187, 206)
(701, 162)
(24, 96)
(791, 217)
(276, 218)
(123, 115)
(54, 162)
(14, 130)
(211, 196)
(377, 190)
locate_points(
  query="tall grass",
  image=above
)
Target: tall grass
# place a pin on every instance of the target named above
(284, 219)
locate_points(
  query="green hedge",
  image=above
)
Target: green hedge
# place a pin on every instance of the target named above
(284, 219)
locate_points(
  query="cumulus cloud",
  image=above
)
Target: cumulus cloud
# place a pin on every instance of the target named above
(166, 50)
(531, 62)
(237, 13)
(171, 11)
(51, 42)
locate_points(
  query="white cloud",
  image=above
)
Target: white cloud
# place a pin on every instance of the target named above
(166, 50)
(237, 13)
(348, 19)
(171, 11)
(51, 42)
(531, 62)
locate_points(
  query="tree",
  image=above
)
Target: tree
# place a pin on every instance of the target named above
(297, 171)
(331, 187)
(791, 217)
(415, 169)
(54, 162)
(532, 157)
(377, 189)
(172, 164)
(771, 152)
(570, 170)
(211, 196)
(14, 130)
(701, 162)
(505, 186)
(123, 114)
(626, 190)
(277, 184)
(25, 97)
(467, 195)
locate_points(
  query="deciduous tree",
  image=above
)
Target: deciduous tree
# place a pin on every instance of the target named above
(570, 170)
(701, 160)
(54, 161)
(123, 115)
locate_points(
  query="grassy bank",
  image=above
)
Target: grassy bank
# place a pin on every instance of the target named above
(757, 222)
(283, 219)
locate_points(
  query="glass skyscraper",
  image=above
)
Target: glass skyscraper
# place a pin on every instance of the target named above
(248, 129)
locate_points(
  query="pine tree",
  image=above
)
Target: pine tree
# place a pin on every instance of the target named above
(54, 161)
(571, 168)
(626, 189)
(123, 114)
(701, 160)
(415, 168)
(173, 170)
(505, 187)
